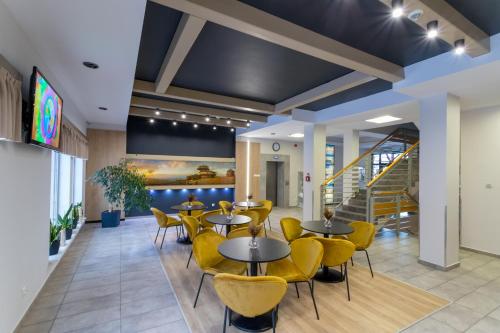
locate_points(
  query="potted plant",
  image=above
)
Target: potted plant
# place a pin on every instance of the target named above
(76, 214)
(55, 238)
(66, 223)
(123, 187)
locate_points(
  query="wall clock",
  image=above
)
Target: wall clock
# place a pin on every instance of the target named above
(276, 146)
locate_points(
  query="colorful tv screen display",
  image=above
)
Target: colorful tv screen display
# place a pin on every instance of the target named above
(47, 113)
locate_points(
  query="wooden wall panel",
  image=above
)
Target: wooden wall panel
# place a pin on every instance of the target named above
(105, 148)
(241, 170)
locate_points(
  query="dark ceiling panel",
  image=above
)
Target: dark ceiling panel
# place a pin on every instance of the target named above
(364, 24)
(360, 91)
(159, 27)
(227, 62)
(483, 13)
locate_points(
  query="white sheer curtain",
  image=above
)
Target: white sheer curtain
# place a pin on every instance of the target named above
(10, 106)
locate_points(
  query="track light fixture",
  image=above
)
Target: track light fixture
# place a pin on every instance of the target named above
(397, 8)
(432, 29)
(207, 119)
(228, 121)
(183, 115)
(248, 123)
(460, 47)
(157, 113)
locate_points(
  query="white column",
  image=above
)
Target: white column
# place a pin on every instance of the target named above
(350, 153)
(439, 180)
(314, 165)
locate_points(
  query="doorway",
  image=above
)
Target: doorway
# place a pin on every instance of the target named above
(275, 182)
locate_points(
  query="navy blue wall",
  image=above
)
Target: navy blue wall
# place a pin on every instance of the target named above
(164, 199)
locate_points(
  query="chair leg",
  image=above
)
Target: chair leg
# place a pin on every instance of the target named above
(164, 233)
(199, 288)
(352, 262)
(311, 288)
(274, 320)
(369, 263)
(260, 268)
(269, 221)
(297, 290)
(265, 231)
(230, 316)
(225, 320)
(347, 283)
(157, 234)
(189, 260)
(342, 270)
(177, 231)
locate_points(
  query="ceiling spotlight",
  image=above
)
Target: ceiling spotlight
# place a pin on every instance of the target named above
(214, 128)
(91, 65)
(207, 119)
(248, 123)
(151, 120)
(102, 108)
(397, 8)
(460, 47)
(232, 129)
(195, 125)
(183, 115)
(432, 29)
(157, 113)
(174, 123)
(228, 121)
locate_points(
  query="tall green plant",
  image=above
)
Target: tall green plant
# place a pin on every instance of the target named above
(123, 186)
(55, 231)
(66, 221)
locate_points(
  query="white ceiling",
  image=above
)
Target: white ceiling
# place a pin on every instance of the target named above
(68, 32)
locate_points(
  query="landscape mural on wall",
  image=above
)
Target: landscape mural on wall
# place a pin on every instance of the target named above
(164, 173)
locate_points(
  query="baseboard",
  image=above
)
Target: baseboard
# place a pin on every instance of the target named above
(99, 221)
(438, 267)
(480, 252)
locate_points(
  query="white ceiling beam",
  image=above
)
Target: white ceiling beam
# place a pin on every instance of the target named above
(194, 109)
(148, 88)
(452, 25)
(257, 23)
(168, 115)
(187, 31)
(336, 86)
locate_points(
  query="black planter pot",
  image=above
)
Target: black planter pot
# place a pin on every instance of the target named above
(75, 223)
(54, 247)
(69, 233)
(110, 219)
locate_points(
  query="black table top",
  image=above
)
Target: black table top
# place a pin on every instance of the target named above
(223, 220)
(337, 228)
(268, 250)
(186, 208)
(248, 204)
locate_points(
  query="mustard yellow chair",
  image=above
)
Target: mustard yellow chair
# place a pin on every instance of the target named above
(243, 232)
(362, 237)
(203, 219)
(305, 259)
(249, 296)
(193, 228)
(292, 230)
(224, 205)
(268, 204)
(337, 253)
(251, 214)
(165, 221)
(210, 261)
(262, 213)
(194, 213)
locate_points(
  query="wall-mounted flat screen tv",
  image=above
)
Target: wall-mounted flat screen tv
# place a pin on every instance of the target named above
(46, 112)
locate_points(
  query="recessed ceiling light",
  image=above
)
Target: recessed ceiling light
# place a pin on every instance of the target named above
(151, 120)
(460, 47)
(228, 121)
(207, 119)
(397, 8)
(91, 65)
(248, 123)
(174, 123)
(183, 115)
(382, 119)
(102, 108)
(432, 29)
(195, 125)
(157, 113)
(296, 135)
(214, 128)
(232, 129)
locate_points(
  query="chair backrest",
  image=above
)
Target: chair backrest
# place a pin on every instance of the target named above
(262, 212)
(306, 253)
(290, 226)
(363, 235)
(192, 226)
(224, 205)
(251, 214)
(250, 296)
(161, 217)
(193, 212)
(205, 249)
(337, 251)
(243, 232)
(268, 204)
(203, 218)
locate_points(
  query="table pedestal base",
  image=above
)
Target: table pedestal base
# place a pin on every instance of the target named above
(257, 324)
(184, 240)
(328, 275)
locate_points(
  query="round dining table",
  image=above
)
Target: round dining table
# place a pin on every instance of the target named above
(267, 250)
(327, 274)
(248, 204)
(189, 209)
(228, 220)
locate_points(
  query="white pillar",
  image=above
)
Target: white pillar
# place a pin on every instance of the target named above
(350, 153)
(439, 180)
(314, 165)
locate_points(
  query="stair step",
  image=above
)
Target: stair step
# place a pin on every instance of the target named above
(350, 214)
(354, 208)
(345, 219)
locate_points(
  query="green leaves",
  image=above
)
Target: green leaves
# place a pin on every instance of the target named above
(123, 186)
(55, 231)
(65, 221)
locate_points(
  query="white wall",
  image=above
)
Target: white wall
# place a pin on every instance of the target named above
(480, 163)
(24, 217)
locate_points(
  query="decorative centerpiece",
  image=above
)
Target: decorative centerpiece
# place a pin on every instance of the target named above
(254, 229)
(191, 198)
(230, 210)
(249, 197)
(328, 214)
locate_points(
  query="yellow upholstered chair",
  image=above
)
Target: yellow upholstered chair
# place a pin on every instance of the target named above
(292, 229)
(268, 204)
(337, 253)
(243, 232)
(262, 213)
(249, 296)
(193, 228)
(194, 213)
(362, 237)
(211, 262)
(165, 221)
(251, 214)
(305, 259)
(224, 205)
(203, 218)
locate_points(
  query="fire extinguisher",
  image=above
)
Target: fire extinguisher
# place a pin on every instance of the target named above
(308, 177)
